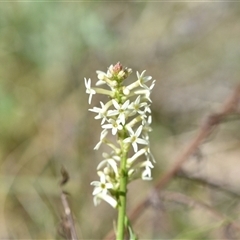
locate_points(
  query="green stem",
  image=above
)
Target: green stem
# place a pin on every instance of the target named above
(122, 198)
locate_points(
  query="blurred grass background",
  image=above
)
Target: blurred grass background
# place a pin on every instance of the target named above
(46, 49)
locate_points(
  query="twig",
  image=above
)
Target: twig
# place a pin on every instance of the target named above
(170, 196)
(229, 107)
(231, 227)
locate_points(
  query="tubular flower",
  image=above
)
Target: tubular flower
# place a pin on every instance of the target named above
(125, 117)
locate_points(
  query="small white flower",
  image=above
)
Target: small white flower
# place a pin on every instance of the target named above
(106, 78)
(142, 80)
(102, 112)
(134, 138)
(109, 162)
(152, 85)
(147, 122)
(121, 110)
(115, 125)
(149, 155)
(102, 138)
(110, 71)
(89, 90)
(137, 105)
(102, 186)
(101, 75)
(147, 173)
(147, 109)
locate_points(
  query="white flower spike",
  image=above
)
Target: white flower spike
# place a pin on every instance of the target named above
(125, 120)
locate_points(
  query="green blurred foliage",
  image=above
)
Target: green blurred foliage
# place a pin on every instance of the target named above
(47, 48)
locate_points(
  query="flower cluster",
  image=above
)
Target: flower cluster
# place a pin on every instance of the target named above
(127, 116)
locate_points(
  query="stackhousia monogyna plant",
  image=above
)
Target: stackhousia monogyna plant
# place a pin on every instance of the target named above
(127, 116)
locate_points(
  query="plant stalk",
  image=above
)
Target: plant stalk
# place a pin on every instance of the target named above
(122, 198)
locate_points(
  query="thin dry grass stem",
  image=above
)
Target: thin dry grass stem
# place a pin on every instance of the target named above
(230, 106)
(67, 224)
